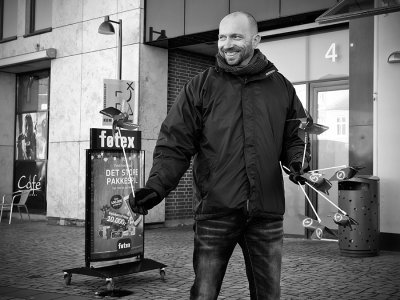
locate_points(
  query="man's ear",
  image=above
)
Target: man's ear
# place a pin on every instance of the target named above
(256, 40)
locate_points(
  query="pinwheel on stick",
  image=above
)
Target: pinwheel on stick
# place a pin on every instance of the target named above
(319, 184)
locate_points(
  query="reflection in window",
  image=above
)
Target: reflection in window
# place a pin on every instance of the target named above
(8, 19)
(33, 92)
(341, 125)
(167, 16)
(333, 111)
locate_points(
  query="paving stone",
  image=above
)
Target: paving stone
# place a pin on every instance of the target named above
(34, 255)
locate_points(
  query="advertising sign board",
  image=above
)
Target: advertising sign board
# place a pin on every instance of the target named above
(101, 138)
(112, 231)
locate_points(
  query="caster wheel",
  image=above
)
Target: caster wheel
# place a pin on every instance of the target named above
(162, 274)
(109, 284)
(67, 278)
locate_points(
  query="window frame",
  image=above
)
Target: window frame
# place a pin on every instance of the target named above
(2, 39)
(30, 20)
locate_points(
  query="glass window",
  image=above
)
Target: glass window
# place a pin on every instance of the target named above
(310, 57)
(289, 56)
(33, 92)
(31, 119)
(331, 148)
(40, 16)
(8, 19)
(301, 91)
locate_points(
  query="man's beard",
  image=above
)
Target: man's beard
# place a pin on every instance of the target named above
(239, 55)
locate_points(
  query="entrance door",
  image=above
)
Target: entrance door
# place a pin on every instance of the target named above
(329, 106)
(31, 137)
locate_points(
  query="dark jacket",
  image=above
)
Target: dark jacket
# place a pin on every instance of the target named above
(237, 130)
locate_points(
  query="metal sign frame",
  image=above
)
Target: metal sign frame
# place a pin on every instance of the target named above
(111, 231)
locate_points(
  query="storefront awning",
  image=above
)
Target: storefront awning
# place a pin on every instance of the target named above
(28, 62)
(351, 9)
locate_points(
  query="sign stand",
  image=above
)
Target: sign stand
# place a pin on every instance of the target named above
(114, 234)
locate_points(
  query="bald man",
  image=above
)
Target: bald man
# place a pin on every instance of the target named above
(232, 120)
(237, 38)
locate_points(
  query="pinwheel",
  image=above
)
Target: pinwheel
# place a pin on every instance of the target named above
(344, 220)
(345, 173)
(320, 231)
(317, 181)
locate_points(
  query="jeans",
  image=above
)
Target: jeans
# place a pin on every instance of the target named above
(261, 242)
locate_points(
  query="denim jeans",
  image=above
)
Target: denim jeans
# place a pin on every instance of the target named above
(261, 243)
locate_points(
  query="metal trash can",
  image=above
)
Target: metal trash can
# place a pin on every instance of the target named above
(359, 197)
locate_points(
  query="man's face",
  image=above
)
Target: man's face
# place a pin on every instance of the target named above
(236, 40)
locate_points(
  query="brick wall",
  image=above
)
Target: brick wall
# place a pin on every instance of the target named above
(182, 66)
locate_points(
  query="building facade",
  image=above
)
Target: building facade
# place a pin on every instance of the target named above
(53, 63)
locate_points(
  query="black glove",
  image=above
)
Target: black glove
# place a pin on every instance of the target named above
(145, 199)
(296, 170)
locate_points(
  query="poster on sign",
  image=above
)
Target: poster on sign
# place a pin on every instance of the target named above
(114, 232)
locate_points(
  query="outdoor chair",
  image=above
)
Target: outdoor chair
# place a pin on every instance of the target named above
(11, 200)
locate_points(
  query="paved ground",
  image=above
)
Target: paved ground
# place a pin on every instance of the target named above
(33, 255)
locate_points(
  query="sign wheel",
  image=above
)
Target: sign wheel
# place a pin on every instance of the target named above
(162, 274)
(67, 278)
(110, 284)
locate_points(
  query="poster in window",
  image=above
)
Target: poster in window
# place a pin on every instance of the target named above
(115, 231)
(31, 133)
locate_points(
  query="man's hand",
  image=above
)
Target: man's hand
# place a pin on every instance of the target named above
(145, 199)
(297, 170)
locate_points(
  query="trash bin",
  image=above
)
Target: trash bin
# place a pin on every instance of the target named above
(359, 197)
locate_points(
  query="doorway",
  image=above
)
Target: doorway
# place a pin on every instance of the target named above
(31, 138)
(329, 106)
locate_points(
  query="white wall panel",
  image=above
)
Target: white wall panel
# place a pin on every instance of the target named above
(388, 134)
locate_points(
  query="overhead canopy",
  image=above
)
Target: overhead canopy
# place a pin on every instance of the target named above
(28, 62)
(351, 9)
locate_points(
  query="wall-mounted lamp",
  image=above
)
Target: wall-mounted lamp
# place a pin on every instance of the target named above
(394, 57)
(107, 28)
(161, 33)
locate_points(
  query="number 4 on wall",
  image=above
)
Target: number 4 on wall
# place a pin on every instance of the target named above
(331, 53)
